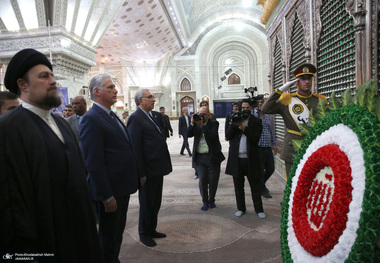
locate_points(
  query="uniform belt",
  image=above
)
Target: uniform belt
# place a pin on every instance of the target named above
(203, 153)
(294, 132)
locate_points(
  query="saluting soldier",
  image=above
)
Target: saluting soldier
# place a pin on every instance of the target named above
(294, 108)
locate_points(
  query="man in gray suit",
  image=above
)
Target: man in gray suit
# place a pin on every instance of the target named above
(80, 108)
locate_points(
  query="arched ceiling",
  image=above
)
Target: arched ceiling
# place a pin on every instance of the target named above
(129, 30)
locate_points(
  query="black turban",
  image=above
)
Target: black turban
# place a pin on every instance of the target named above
(20, 65)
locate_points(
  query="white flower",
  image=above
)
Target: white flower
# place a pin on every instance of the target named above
(348, 142)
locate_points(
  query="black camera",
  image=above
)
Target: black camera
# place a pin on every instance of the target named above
(236, 118)
(254, 99)
(198, 116)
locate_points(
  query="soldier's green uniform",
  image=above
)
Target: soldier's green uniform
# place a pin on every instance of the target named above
(294, 109)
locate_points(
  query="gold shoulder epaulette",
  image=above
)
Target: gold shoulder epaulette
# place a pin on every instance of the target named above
(286, 98)
(319, 96)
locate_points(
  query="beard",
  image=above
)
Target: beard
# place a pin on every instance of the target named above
(51, 100)
(246, 113)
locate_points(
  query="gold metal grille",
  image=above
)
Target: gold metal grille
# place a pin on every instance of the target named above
(298, 50)
(277, 82)
(336, 51)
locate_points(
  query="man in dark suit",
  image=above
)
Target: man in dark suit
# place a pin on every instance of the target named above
(152, 154)
(183, 124)
(204, 103)
(166, 123)
(45, 203)
(125, 117)
(69, 110)
(207, 155)
(79, 108)
(111, 164)
(244, 159)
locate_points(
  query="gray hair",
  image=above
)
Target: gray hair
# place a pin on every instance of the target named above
(207, 109)
(97, 83)
(138, 95)
(184, 108)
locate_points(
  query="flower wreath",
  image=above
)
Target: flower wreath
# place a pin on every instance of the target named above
(331, 207)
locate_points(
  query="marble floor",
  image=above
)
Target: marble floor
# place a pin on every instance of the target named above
(216, 235)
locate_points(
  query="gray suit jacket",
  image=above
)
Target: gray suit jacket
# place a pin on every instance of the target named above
(74, 124)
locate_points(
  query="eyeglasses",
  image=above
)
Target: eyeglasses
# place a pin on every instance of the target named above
(149, 97)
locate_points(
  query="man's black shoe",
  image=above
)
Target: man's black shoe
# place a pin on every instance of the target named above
(156, 234)
(266, 195)
(147, 241)
(181, 153)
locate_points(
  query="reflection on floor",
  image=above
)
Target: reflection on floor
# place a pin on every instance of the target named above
(216, 235)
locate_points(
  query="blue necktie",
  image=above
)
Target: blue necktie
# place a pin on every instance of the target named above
(79, 118)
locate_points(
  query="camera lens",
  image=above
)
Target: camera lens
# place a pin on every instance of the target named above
(197, 117)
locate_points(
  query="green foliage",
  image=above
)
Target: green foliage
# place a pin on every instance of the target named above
(366, 96)
(304, 128)
(296, 144)
(312, 119)
(334, 102)
(347, 98)
(360, 96)
(371, 95)
(322, 109)
(376, 108)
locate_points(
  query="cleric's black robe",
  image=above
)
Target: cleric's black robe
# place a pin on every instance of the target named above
(45, 204)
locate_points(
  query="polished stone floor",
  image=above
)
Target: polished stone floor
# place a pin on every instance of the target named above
(216, 235)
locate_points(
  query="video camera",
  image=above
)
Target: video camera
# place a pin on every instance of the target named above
(236, 118)
(254, 99)
(198, 116)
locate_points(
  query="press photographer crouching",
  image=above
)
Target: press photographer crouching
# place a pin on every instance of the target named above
(243, 158)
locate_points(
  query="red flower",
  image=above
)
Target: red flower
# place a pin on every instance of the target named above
(321, 203)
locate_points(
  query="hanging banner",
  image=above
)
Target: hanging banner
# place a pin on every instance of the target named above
(63, 94)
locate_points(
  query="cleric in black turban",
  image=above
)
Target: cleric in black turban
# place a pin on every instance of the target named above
(20, 65)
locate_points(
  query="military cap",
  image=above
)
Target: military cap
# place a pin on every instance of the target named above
(305, 69)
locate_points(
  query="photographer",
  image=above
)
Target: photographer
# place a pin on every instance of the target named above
(207, 155)
(243, 157)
